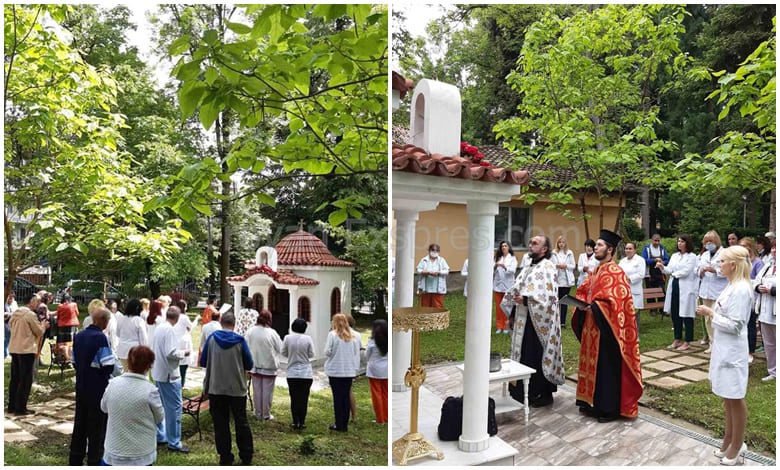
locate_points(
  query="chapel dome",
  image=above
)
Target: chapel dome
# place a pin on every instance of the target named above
(304, 249)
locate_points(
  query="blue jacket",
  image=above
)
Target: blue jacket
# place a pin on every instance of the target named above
(650, 260)
(94, 361)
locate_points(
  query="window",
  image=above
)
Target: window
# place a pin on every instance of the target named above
(514, 225)
(335, 301)
(304, 308)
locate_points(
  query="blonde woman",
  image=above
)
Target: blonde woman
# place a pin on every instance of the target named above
(712, 280)
(563, 259)
(729, 360)
(342, 352)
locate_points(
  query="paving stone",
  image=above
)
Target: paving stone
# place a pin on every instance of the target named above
(644, 358)
(664, 366)
(689, 360)
(693, 375)
(40, 421)
(668, 382)
(19, 436)
(63, 428)
(9, 425)
(60, 403)
(646, 374)
(661, 353)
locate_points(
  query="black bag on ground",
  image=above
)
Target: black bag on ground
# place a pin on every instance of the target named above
(451, 422)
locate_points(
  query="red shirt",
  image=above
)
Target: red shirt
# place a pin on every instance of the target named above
(68, 314)
(206, 315)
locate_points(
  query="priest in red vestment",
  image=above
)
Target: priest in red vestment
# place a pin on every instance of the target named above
(609, 381)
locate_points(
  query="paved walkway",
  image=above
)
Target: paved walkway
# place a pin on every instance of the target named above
(560, 435)
(57, 414)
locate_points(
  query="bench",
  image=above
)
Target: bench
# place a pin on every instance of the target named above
(57, 359)
(193, 406)
(654, 298)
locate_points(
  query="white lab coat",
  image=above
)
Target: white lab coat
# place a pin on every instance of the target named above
(583, 261)
(765, 303)
(504, 276)
(566, 257)
(635, 272)
(683, 267)
(712, 284)
(729, 359)
(438, 265)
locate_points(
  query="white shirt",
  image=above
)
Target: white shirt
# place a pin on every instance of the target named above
(207, 330)
(564, 276)
(246, 318)
(592, 263)
(131, 331)
(765, 303)
(635, 272)
(377, 363)
(183, 330)
(299, 349)
(504, 276)
(342, 357)
(433, 284)
(166, 354)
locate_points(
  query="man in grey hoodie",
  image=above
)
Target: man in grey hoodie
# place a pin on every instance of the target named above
(226, 357)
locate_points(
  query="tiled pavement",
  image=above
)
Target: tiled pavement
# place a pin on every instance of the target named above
(560, 435)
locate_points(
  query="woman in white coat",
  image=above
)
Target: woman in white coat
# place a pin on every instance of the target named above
(563, 259)
(729, 360)
(712, 279)
(587, 262)
(766, 287)
(681, 291)
(433, 270)
(504, 267)
(634, 267)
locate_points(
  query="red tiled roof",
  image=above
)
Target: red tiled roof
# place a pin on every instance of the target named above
(540, 172)
(304, 249)
(402, 84)
(284, 276)
(414, 159)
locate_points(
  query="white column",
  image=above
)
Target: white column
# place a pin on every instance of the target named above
(403, 295)
(478, 305)
(293, 308)
(236, 298)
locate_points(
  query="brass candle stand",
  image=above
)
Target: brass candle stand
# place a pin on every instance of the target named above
(414, 445)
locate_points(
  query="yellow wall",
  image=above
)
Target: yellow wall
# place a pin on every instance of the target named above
(448, 226)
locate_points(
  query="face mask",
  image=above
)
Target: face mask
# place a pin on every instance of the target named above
(710, 247)
(433, 254)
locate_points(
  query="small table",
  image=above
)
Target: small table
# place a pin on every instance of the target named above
(510, 370)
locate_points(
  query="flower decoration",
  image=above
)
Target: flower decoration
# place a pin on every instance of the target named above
(472, 152)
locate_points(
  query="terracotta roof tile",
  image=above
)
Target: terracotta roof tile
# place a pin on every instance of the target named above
(412, 159)
(283, 276)
(304, 249)
(402, 84)
(539, 171)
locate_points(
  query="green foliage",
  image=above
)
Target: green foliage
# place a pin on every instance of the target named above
(632, 230)
(586, 84)
(307, 446)
(189, 263)
(744, 160)
(64, 165)
(319, 72)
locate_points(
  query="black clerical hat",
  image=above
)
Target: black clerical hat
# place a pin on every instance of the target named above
(610, 237)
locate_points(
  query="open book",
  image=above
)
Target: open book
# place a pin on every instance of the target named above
(576, 303)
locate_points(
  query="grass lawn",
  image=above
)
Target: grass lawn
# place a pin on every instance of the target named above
(275, 443)
(693, 403)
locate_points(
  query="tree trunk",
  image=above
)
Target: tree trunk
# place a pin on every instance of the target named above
(584, 211)
(10, 261)
(222, 129)
(621, 209)
(772, 215)
(601, 213)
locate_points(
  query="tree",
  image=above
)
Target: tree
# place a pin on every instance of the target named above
(743, 160)
(589, 101)
(63, 168)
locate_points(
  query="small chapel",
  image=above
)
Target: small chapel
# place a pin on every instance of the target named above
(298, 278)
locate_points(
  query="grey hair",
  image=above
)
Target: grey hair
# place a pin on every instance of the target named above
(101, 313)
(228, 318)
(173, 313)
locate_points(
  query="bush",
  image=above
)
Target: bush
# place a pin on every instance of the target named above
(631, 230)
(307, 447)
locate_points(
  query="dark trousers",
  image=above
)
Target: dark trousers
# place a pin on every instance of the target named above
(752, 332)
(563, 307)
(221, 407)
(340, 386)
(183, 373)
(299, 399)
(21, 381)
(677, 321)
(89, 432)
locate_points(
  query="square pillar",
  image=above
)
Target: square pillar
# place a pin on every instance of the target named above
(403, 294)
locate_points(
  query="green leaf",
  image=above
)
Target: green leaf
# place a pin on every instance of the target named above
(239, 28)
(210, 37)
(337, 217)
(211, 75)
(266, 199)
(62, 246)
(180, 45)
(209, 112)
(190, 97)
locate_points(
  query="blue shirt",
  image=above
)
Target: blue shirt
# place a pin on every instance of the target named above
(94, 361)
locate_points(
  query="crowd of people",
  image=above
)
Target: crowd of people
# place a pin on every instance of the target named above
(131, 366)
(732, 288)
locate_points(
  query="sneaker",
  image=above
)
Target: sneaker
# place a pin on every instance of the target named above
(498, 331)
(750, 359)
(269, 418)
(506, 332)
(768, 378)
(183, 449)
(683, 347)
(704, 342)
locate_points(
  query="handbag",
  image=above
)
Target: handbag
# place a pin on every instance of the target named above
(451, 422)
